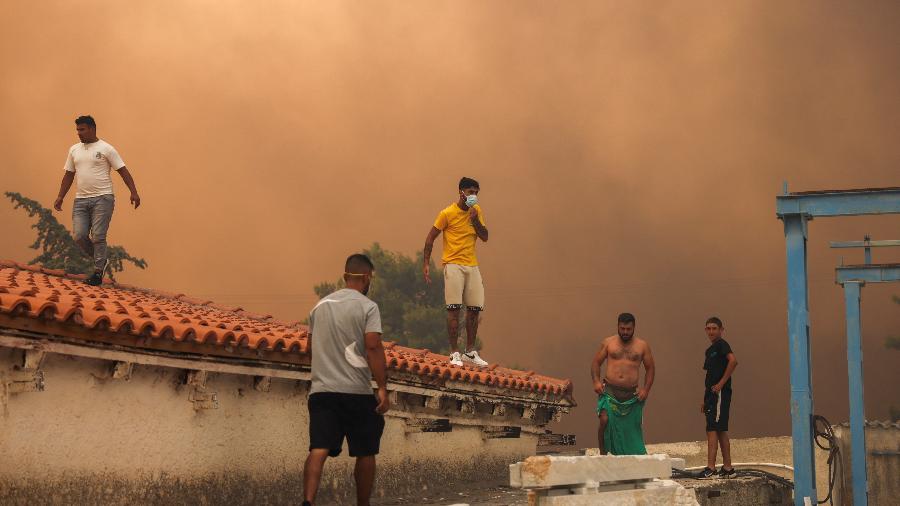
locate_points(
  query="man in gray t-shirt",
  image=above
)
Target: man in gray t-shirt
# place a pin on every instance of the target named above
(346, 348)
(340, 322)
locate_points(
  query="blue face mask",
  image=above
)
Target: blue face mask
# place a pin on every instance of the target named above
(471, 200)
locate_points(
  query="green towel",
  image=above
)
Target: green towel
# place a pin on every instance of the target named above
(623, 434)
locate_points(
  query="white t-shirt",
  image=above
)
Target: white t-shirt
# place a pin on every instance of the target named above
(92, 164)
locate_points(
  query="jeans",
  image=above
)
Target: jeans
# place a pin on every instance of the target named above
(90, 221)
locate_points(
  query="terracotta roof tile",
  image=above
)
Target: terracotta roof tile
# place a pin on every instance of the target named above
(31, 291)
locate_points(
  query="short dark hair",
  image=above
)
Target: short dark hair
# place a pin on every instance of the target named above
(358, 263)
(626, 318)
(86, 120)
(468, 182)
(716, 320)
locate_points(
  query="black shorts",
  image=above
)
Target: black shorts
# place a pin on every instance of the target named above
(332, 416)
(717, 407)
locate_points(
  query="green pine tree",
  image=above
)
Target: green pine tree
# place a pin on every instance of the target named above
(57, 246)
(412, 313)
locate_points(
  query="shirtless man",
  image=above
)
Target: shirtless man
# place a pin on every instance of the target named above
(625, 354)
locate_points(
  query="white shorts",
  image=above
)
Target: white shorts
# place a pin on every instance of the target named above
(463, 287)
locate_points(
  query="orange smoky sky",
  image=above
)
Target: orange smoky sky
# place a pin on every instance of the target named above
(629, 154)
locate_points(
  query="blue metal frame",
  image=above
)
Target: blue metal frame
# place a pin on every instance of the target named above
(795, 210)
(840, 202)
(853, 278)
(875, 273)
(857, 406)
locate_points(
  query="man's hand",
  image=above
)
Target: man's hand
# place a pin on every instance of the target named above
(135, 200)
(642, 394)
(473, 214)
(384, 403)
(58, 204)
(703, 408)
(599, 387)
(717, 387)
(426, 270)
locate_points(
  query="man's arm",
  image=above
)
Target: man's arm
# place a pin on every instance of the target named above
(378, 366)
(480, 230)
(129, 182)
(596, 375)
(426, 254)
(732, 364)
(64, 186)
(649, 373)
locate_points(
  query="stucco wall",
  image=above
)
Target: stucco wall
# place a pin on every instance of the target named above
(882, 463)
(88, 438)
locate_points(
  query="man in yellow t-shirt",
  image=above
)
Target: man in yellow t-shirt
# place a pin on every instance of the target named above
(462, 223)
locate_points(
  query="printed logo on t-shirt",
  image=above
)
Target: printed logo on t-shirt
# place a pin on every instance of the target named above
(98, 156)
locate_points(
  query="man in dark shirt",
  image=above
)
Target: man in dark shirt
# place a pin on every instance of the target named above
(719, 364)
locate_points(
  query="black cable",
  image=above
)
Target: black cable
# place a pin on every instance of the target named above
(828, 442)
(824, 438)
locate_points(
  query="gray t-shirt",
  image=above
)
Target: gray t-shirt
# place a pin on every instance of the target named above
(338, 325)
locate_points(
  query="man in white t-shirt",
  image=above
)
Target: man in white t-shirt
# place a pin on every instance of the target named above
(90, 163)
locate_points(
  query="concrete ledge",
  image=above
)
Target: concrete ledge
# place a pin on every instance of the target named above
(747, 491)
(652, 493)
(550, 471)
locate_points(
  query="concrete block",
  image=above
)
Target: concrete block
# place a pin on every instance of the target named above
(677, 463)
(550, 471)
(653, 493)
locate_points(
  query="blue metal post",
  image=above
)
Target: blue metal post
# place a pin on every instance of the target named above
(801, 377)
(857, 413)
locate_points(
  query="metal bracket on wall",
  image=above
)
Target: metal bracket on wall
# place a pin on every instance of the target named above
(551, 439)
(428, 425)
(501, 432)
(201, 398)
(17, 382)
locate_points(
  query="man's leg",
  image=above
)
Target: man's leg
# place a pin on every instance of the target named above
(472, 318)
(81, 226)
(100, 218)
(473, 298)
(725, 443)
(365, 479)
(454, 282)
(312, 473)
(453, 329)
(601, 430)
(711, 449)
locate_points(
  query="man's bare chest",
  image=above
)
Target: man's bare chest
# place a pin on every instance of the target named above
(625, 353)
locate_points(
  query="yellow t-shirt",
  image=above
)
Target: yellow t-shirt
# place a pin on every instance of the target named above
(459, 235)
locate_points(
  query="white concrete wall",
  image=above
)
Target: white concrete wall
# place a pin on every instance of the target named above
(88, 435)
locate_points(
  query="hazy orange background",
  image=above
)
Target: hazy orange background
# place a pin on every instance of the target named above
(628, 153)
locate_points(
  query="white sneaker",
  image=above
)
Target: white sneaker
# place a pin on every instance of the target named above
(472, 357)
(455, 360)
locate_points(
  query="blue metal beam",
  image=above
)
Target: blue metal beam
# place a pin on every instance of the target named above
(795, 209)
(857, 406)
(839, 203)
(801, 376)
(876, 273)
